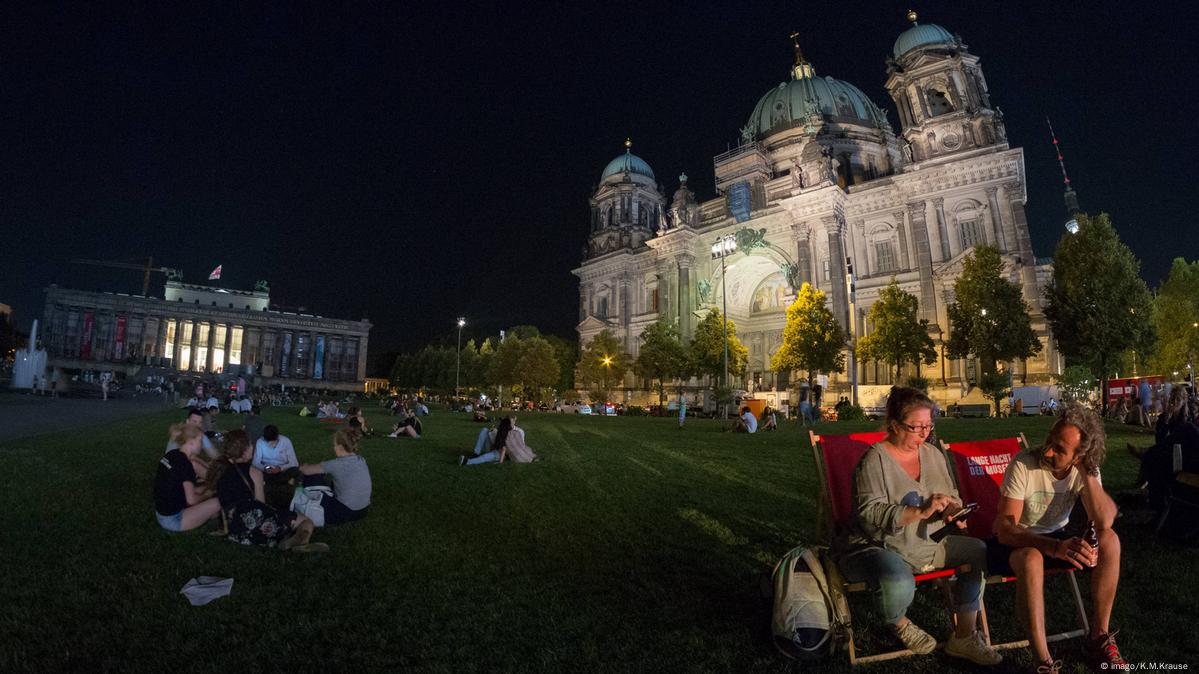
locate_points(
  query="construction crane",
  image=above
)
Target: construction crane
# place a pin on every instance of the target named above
(147, 268)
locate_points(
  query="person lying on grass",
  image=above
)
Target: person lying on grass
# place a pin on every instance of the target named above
(179, 504)
(351, 479)
(495, 436)
(1038, 492)
(904, 495)
(409, 427)
(240, 488)
(508, 443)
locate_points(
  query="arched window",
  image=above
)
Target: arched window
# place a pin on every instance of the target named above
(938, 102)
(601, 307)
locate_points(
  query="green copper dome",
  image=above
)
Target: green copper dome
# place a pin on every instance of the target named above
(627, 163)
(791, 104)
(920, 35)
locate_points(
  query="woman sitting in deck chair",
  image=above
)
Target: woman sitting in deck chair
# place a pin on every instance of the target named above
(904, 494)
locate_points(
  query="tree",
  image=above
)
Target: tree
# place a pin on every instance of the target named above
(995, 387)
(707, 347)
(536, 367)
(1077, 383)
(662, 355)
(566, 351)
(897, 335)
(1176, 317)
(813, 340)
(1098, 304)
(989, 318)
(503, 370)
(602, 363)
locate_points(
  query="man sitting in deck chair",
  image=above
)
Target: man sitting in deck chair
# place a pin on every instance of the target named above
(904, 496)
(1039, 490)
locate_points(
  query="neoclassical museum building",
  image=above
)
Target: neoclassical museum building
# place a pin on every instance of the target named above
(203, 331)
(820, 185)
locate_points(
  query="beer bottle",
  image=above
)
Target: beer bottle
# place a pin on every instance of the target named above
(1091, 537)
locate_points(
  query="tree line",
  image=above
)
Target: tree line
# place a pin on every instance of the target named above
(1102, 315)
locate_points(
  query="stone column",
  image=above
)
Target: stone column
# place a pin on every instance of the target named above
(803, 254)
(1014, 192)
(191, 366)
(362, 358)
(902, 230)
(996, 218)
(582, 302)
(942, 228)
(229, 345)
(160, 343)
(924, 262)
(178, 353)
(835, 226)
(857, 249)
(210, 355)
(685, 261)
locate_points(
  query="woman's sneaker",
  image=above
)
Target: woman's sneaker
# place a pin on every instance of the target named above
(1104, 653)
(973, 648)
(1049, 667)
(917, 640)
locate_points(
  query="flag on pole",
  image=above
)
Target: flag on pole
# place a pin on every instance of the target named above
(216, 274)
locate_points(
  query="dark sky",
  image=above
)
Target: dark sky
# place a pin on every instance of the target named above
(411, 162)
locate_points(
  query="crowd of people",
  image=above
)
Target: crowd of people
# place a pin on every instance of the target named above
(205, 474)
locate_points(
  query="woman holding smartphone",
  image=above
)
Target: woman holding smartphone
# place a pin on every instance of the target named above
(904, 496)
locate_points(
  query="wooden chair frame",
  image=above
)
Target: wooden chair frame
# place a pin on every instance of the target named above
(1080, 609)
(826, 519)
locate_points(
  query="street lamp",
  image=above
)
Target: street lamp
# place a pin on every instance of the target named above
(607, 362)
(458, 366)
(722, 248)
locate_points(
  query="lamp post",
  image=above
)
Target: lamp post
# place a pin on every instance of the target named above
(851, 293)
(607, 362)
(724, 247)
(458, 365)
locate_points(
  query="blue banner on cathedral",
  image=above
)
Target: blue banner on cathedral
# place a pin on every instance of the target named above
(318, 368)
(739, 201)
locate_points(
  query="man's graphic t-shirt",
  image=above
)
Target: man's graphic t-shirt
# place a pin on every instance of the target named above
(1047, 501)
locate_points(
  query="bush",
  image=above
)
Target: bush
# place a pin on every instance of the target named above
(851, 413)
(920, 383)
(995, 387)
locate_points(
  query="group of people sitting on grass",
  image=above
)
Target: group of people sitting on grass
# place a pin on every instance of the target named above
(746, 422)
(1177, 426)
(498, 443)
(904, 496)
(199, 479)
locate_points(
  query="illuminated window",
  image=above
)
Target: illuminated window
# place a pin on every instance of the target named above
(202, 336)
(185, 353)
(826, 270)
(235, 347)
(169, 347)
(218, 348)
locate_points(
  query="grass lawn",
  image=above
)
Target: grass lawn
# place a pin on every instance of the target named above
(632, 546)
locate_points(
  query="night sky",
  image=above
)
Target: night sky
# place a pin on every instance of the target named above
(410, 163)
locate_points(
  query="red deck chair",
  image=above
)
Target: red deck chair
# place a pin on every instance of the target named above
(837, 457)
(980, 466)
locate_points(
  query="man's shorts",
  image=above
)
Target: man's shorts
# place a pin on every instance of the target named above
(170, 522)
(999, 556)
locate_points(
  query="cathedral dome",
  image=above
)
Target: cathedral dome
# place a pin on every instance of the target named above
(920, 36)
(791, 104)
(627, 163)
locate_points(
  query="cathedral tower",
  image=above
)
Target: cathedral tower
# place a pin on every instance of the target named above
(941, 94)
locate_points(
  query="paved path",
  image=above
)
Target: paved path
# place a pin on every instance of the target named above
(23, 415)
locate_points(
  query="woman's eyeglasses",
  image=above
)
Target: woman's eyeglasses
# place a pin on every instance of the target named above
(917, 429)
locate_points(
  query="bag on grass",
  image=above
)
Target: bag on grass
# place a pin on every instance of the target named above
(307, 502)
(810, 619)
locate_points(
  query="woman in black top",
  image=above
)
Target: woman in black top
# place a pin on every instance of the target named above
(179, 504)
(239, 486)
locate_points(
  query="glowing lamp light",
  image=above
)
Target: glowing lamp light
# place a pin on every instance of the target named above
(1072, 226)
(724, 246)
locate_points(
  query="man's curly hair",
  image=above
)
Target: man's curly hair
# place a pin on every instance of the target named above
(1092, 448)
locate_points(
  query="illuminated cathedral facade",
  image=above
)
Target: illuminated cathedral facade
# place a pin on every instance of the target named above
(821, 186)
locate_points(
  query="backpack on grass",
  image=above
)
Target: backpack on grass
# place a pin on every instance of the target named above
(307, 502)
(810, 619)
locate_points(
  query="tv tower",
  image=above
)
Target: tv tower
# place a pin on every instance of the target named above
(1071, 196)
